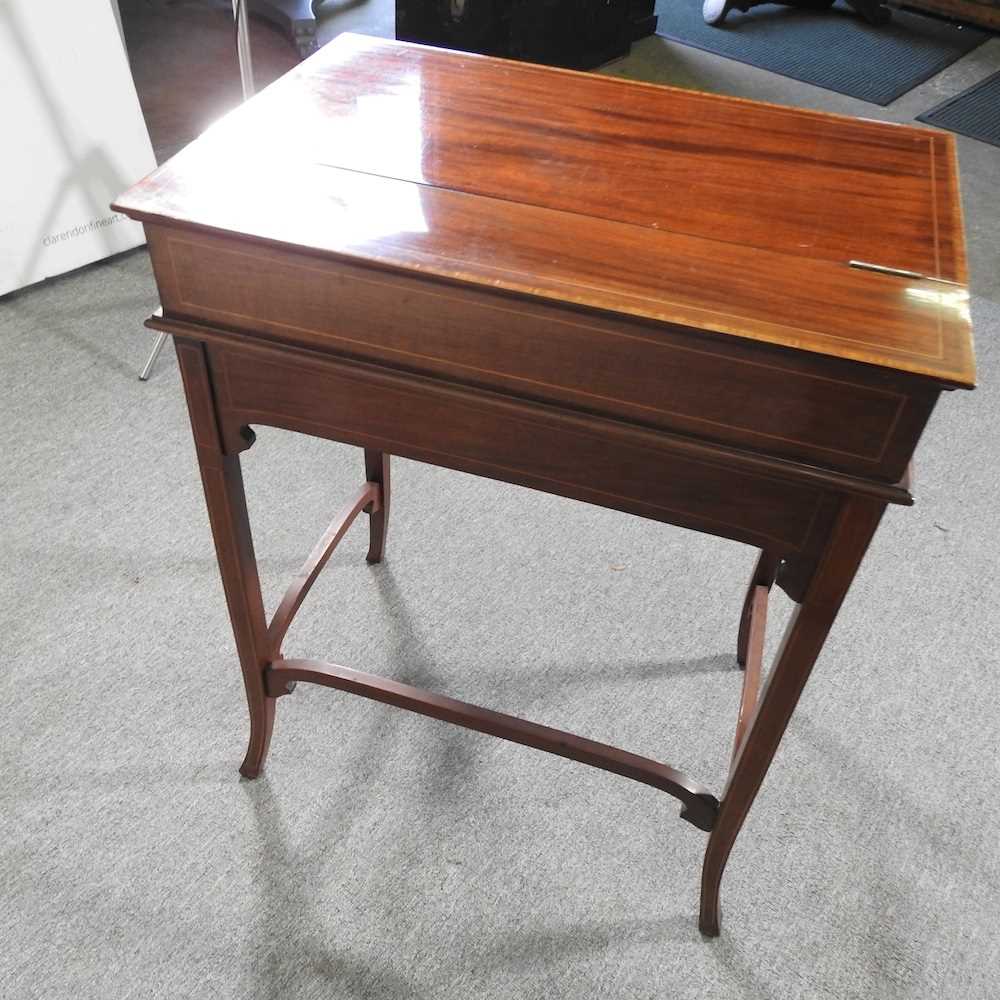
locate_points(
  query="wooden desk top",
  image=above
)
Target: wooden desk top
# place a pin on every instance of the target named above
(682, 208)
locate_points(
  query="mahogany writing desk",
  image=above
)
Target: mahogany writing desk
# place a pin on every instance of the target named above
(718, 314)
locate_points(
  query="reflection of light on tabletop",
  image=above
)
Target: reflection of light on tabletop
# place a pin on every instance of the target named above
(274, 157)
(955, 299)
(387, 131)
(365, 209)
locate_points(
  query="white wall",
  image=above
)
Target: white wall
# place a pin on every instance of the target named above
(73, 138)
(118, 18)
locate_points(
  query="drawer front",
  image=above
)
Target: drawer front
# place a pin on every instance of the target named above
(751, 395)
(588, 458)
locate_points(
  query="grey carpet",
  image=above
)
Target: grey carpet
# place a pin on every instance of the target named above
(389, 856)
(386, 855)
(975, 112)
(834, 48)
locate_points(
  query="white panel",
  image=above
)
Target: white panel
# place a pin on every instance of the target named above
(73, 138)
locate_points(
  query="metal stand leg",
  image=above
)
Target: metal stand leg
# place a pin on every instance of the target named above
(240, 17)
(153, 355)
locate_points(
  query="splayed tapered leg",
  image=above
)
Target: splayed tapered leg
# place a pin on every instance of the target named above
(763, 576)
(222, 479)
(856, 523)
(377, 471)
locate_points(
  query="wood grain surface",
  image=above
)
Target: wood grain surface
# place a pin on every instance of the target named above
(634, 296)
(719, 214)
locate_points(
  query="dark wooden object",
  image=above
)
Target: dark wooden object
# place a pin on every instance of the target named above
(597, 300)
(982, 12)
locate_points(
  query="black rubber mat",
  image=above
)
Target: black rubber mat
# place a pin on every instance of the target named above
(975, 112)
(834, 49)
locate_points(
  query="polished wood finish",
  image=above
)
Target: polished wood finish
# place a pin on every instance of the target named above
(421, 254)
(222, 480)
(629, 197)
(769, 399)
(764, 573)
(377, 473)
(369, 498)
(982, 12)
(804, 636)
(700, 806)
(751, 662)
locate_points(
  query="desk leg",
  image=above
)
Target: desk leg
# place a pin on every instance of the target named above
(802, 642)
(763, 576)
(377, 471)
(222, 480)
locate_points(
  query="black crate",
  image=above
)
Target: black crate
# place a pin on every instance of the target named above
(579, 34)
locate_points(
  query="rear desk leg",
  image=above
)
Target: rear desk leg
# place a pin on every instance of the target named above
(222, 480)
(807, 630)
(763, 576)
(377, 471)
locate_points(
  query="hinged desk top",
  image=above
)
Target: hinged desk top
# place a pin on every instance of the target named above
(683, 208)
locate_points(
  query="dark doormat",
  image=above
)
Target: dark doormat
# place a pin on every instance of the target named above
(975, 112)
(834, 49)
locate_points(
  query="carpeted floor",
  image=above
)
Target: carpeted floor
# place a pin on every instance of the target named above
(833, 48)
(975, 112)
(388, 856)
